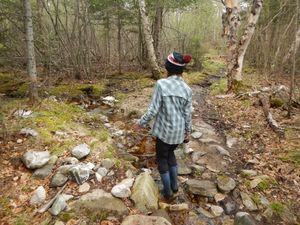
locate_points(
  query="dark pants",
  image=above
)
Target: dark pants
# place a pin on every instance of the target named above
(165, 157)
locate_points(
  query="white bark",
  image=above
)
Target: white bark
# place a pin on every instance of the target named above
(294, 47)
(31, 64)
(149, 40)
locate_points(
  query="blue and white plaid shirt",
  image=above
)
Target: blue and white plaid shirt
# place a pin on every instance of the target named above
(171, 106)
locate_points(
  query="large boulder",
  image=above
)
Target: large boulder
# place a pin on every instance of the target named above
(145, 193)
(98, 201)
(35, 160)
(81, 151)
(145, 220)
(46, 170)
(202, 187)
(183, 168)
(248, 202)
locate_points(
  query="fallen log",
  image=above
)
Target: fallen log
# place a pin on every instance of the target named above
(272, 123)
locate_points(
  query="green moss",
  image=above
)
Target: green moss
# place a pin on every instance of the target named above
(66, 216)
(74, 90)
(266, 184)
(219, 87)
(21, 220)
(277, 208)
(146, 82)
(194, 77)
(212, 66)
(4, 207)
(110, 152)
(101, 134)
(97, 216)
(256, 198)
(277, 102)
(292, 156)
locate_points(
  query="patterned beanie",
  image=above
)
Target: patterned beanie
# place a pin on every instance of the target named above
(176, 62)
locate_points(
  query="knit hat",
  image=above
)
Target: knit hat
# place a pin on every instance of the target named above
(176, 62)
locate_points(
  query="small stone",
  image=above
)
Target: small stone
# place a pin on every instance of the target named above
(58, 205)
(58, 180)
(216, 210)
(204, 212)
(111, 173)
(23, 113)
(58, 222)
(248, 202)
(29, 132)
(243, 218)
(118, 133)
(107, 163)
(102, 171)
(84, 188)
(179, 207)
(71, 160)
(19, 141)
(35, 160)
(107, 125)
(212, 169)
(81, 151)
(122, 190)
(196, 135)
(43, 172)
(229, 207)
(226, 183)
(98, 177)
(38, 196)
(53, 159)
(198, 169)
(222, 150)
(202, 187)
(257, 180)
(230, 141)
(253, 161)
(129, 174)
(90, 166)
(67, 197)
(15, 178)
(248, 173)
(219, 197)
(146, 220)
(80, 173)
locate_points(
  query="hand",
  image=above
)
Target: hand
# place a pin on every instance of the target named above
(136, 127)
(187, 137)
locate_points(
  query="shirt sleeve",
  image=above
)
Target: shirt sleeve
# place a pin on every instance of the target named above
(188, 116)
(153, 108)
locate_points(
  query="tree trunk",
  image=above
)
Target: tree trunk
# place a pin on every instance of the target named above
(295, 49)
(149, 41)
(119, 42)
(157, 27)
(238, 48)
(31, 64)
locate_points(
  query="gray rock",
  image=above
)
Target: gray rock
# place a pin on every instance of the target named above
(179, 207)
(98, 177)
(248, 173)
(71, 160)
(35, 160)
(202, 187)
(197, 155)
(107, 163)
(198, 169)
(81, 151)
(65, 169)
(183, 169)
(58, 205)
(145, 193)
(46, 170)
(204, 212)
(38, 196)
(243, 218)
(145, 220)
(98, 201)
(29, 132)
(216, 210)
(229, 207)
(248, 202)
(84, 188)
(90, 165)
(226, 183)
(196, 135)
(209, 140)
(80, 173)
(58, 180)
(43, 172)
(122, 190)
(23, 113)
(221, 150)
(219, 197)
(67, 197)
(102, 171)
(257, 180)
(230, 141)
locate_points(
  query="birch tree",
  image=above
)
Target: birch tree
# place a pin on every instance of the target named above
(238, 46)
(149, 41)
(31, 64)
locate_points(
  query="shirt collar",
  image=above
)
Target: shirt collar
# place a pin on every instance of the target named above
(175, 77)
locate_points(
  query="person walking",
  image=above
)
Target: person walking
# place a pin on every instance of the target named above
(171, 107)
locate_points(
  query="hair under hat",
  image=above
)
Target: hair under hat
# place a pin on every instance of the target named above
(176, 62)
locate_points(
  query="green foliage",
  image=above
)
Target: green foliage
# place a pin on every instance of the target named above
(277, 102)
(213, 66)
(219, 87)
(193, 77)
(278, 208)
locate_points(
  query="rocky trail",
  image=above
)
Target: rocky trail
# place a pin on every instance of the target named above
(83, 187)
